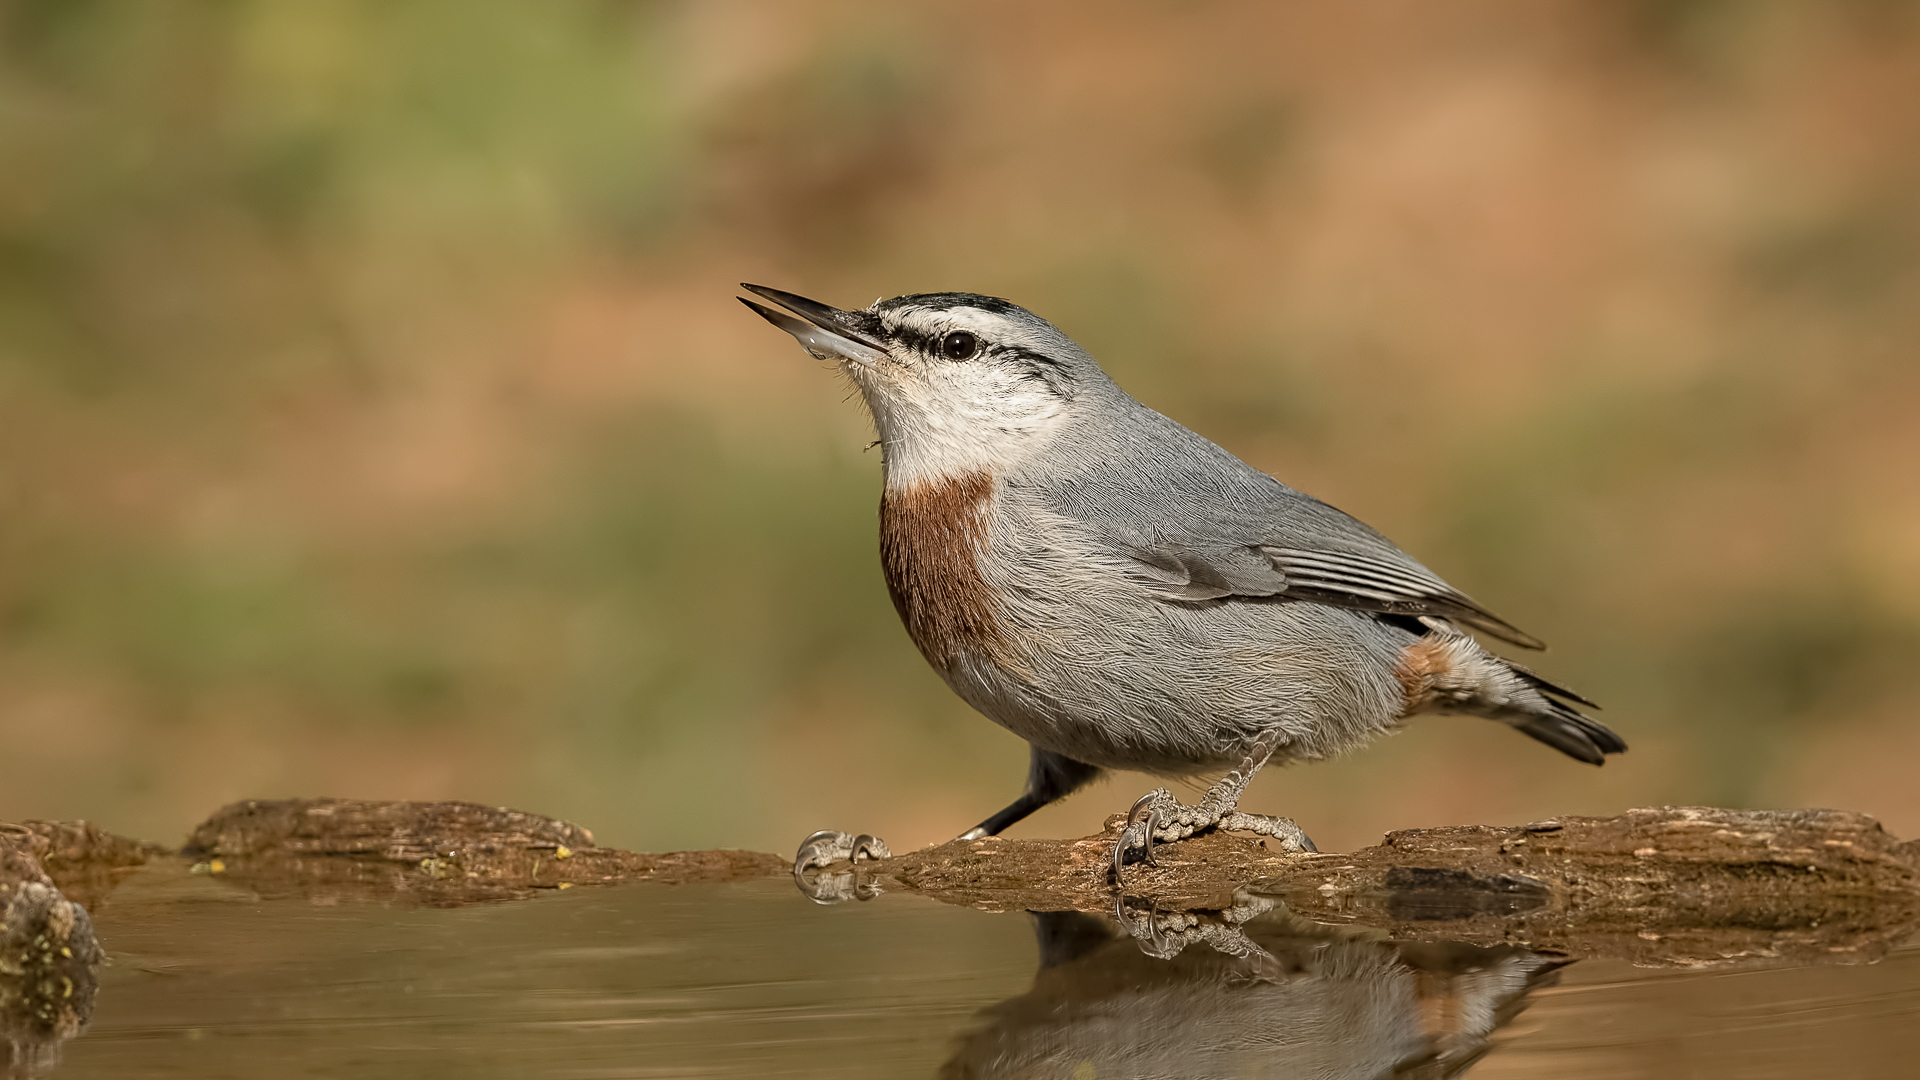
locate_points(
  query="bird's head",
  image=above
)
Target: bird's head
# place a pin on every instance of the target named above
(956, 383)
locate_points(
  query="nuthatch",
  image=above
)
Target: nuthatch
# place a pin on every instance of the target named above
(1124, 594)
(1292, 998)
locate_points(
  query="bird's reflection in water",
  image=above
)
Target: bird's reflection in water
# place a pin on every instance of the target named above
(1276, 996)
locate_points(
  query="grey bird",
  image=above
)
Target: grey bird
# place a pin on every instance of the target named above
(1122, 593)
(1323, 1001)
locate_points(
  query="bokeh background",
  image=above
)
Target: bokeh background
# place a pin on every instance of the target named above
(376, 418)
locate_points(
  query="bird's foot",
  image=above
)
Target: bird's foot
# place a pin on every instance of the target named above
(1164, 934)
(1159, 817)
(827, 847)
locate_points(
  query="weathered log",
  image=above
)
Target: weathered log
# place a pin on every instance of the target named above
(1669, 885)
(433, 853)
(1653, 886)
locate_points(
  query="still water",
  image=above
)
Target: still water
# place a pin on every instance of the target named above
(751, 979)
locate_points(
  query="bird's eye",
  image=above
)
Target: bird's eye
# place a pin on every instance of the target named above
(959, 345)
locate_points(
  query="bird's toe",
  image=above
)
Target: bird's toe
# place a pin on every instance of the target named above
(1138, 834)
(827, 847)
(823, 848)
(1291, 837)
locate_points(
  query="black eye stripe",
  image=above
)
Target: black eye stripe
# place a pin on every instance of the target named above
(930, 345)
(935, 344)
(913, 339)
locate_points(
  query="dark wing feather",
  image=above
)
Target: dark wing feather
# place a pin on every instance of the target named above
(1335, 578)
(1399, 587)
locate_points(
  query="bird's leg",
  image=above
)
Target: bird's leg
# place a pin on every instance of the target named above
(1049, 777)
(1158, 816)
(1015, 811)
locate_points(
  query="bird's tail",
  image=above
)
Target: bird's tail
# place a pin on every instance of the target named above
(1565, 728)
(1448, 672)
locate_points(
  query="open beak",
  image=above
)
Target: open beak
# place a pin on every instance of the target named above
(828, 333)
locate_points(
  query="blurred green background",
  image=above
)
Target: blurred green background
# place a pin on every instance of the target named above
(376, 418)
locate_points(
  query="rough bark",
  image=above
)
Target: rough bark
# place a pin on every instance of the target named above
(434, 853)
(1666, 886)
(1669, 885)
(1653, 886)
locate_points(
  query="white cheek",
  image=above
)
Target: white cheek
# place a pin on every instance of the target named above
(944, 427)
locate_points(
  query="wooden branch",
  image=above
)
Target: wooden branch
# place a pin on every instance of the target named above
(1653, 886)
(440, 854)
(1670, 885)
(1666, 886)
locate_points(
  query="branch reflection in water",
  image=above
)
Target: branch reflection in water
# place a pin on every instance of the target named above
(1261, 994)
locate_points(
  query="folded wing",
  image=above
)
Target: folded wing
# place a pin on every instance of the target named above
(1399, 587)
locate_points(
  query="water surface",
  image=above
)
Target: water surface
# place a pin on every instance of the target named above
(750, 979)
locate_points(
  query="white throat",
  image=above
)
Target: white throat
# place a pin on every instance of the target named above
(929, 434)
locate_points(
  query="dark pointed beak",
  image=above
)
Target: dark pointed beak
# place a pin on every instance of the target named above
(826, 332)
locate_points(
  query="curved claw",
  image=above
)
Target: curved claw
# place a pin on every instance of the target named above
(1156, 938)
(825, 889)
(870, 846)
(822, 848)
(829, 846)
(1144, 827)
(836, 887)
(1141, 919)
(1144, 802)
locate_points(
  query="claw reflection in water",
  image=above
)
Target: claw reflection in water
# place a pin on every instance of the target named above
(1301, 999)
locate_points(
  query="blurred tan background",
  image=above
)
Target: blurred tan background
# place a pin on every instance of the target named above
(376, 418)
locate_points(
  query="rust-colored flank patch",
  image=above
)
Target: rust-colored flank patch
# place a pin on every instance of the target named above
(1422, 665)
(931, 536)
